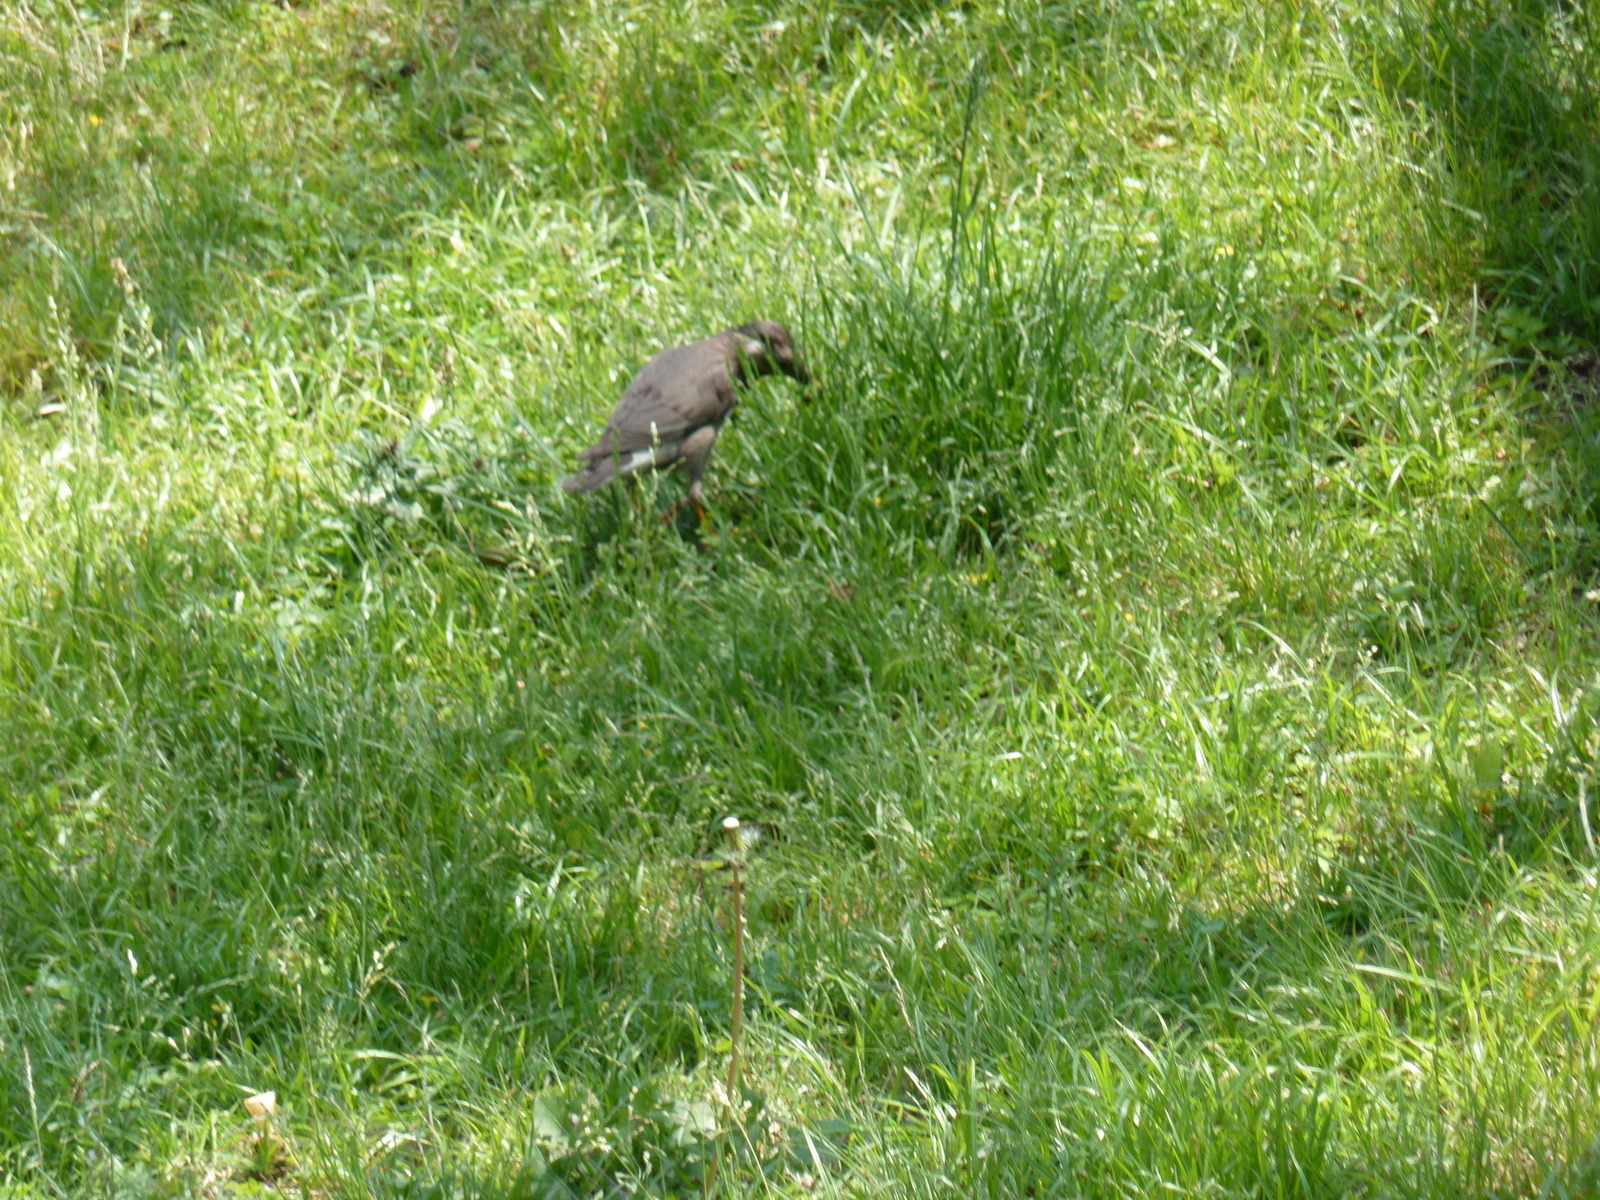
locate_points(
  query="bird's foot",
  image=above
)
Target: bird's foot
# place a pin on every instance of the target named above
(672, 513)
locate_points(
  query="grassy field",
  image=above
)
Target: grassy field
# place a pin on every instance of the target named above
(1161, 666)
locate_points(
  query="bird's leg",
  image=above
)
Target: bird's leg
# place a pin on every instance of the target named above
(693, 498)
(697, 452)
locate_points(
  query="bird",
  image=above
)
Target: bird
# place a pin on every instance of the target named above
(673, 408)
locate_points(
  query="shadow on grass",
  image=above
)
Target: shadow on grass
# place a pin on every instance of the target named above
(1515, 88)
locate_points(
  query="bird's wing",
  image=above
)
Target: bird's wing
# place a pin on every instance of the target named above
(678, 391)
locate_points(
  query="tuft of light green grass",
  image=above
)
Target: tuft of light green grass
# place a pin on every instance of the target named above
(1160, 664)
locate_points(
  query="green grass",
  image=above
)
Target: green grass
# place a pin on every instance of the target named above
(1161, 663)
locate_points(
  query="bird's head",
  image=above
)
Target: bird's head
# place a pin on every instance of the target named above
(767, 347)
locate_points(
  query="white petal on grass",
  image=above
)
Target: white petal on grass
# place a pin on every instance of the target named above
(262, 1105)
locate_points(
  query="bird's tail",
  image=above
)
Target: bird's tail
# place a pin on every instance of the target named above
(594, 476)
(602, 471)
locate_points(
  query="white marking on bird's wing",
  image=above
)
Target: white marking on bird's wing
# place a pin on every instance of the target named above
(658, 455)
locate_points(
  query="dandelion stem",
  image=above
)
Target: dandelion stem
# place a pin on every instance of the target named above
(732, 826)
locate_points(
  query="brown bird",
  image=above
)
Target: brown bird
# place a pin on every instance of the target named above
(672, 410)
